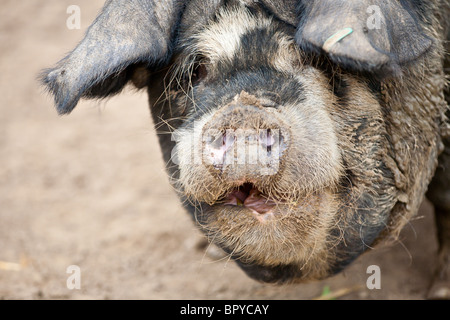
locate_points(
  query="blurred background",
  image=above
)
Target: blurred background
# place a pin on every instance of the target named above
(90, 190)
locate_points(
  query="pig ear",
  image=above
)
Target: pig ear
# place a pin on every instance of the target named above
(375, 36)
(127, 33)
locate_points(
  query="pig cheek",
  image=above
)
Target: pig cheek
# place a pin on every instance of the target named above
(313, 160)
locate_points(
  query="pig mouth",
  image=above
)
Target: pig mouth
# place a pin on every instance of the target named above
(256, 227)
(250, 197)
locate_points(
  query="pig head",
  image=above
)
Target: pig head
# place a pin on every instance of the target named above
(300, 136)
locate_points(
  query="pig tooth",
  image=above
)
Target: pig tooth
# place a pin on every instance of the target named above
(230, 202)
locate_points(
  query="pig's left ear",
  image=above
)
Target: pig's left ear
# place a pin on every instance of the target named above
(376, 36)
(125, 34)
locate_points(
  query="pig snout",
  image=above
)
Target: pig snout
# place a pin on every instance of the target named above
(244, 142)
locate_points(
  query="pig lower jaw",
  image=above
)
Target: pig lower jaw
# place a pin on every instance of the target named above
(286, 234)
(262, 217)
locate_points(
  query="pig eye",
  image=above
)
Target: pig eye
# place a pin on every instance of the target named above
(199, 72)
(195, 73)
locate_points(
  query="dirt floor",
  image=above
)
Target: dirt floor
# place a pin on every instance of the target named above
(90, 190)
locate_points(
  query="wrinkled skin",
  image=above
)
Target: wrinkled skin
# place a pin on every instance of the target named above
(352, 132)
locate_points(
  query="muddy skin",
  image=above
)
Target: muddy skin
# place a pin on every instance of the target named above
(374, 188)
(358, 124)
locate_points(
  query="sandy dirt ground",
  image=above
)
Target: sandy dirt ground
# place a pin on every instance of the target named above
(90, 190)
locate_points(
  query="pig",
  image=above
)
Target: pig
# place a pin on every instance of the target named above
(303, 132)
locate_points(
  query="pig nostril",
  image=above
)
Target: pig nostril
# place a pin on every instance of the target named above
(228, 140)
(270, 138)
(218, 143)
(217, 140)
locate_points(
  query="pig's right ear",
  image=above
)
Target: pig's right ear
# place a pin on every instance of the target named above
(375, 36)
(127, 33)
